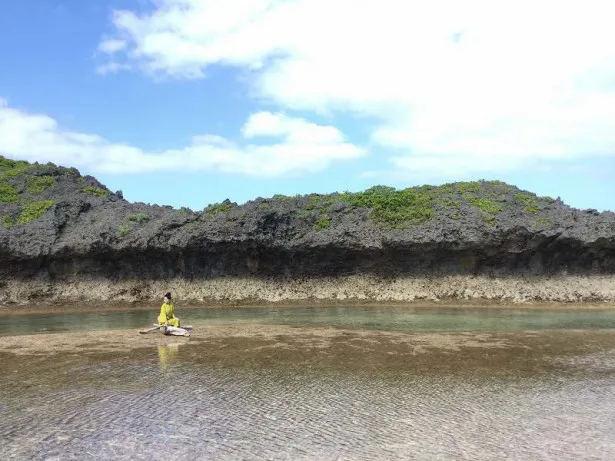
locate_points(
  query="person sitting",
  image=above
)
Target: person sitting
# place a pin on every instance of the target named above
(167, 312)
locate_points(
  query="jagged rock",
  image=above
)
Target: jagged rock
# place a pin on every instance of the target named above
(57, 225)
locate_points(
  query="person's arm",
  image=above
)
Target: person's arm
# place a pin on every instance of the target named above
(163, 313)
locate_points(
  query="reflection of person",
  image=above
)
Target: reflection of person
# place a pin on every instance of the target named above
(167, 312)
(166, 354)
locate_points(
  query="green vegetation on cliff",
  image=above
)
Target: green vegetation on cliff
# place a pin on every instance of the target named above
(96, 191)
(322, 223)
(30, 188)
(6, 222)
(394, 207)
(216, 208)
(9, 169)
(12, 167)
(530, 203)
(402, 208)
(34, 210)
(8, 193)
(26, 189)
(38, 184)
(20, 182)
(138, 217)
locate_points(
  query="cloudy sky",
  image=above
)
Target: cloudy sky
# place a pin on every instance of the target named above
(188, 102)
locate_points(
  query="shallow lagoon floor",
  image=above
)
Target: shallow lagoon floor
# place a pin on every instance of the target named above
(245, 390)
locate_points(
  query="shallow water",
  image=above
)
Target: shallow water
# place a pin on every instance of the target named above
(390, 318)
(382, 384)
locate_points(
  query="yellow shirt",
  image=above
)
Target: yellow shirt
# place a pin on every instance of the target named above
(167, 312)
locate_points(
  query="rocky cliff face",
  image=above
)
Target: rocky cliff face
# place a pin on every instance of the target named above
(58, 227)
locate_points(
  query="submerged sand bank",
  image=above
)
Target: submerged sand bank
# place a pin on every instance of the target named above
(312, 348)
(344, 289)
(272, 337)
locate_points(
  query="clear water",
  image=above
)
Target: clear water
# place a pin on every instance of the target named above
(389, 318)
(387, 383)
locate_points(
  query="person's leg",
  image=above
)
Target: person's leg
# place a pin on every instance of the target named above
(173, 321)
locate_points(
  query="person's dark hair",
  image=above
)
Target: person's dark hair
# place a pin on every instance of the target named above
(168, 295)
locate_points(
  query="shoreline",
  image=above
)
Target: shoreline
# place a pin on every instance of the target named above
(90, 306)
(356, 290)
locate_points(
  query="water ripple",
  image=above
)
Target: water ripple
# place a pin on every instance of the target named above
(128, 407)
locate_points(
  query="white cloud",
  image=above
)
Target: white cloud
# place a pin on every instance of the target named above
(264, 124)
(301, 147)
(450, 82)
(297, 131)
(111, 46)
(111, 68)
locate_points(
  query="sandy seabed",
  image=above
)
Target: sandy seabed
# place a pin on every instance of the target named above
(315, 337)
(261, 345)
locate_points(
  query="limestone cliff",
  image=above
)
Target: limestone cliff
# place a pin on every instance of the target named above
(66, 236)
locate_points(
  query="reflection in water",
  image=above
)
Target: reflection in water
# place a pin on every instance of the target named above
(166, 354)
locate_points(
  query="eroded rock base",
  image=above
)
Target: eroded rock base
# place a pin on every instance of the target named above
(360, 288)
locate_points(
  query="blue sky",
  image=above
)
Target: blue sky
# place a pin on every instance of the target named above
(189, 102)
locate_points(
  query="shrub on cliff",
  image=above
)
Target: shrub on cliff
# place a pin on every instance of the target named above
(96, 191)
(138, 217)
(6, 222)
(38, 184)
(34, 211)
(412, 206)
(216, 208)
(11, 166)
(395, 207)
(8, 193)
